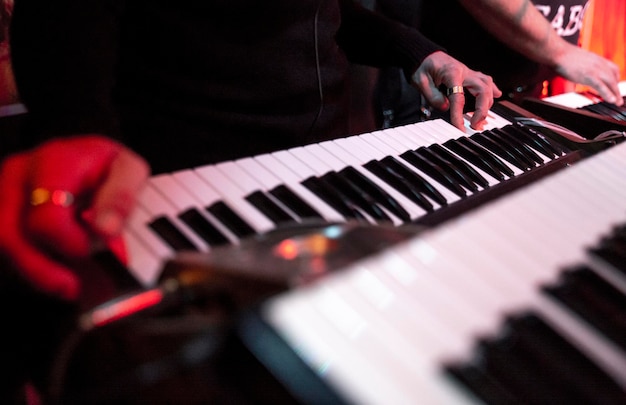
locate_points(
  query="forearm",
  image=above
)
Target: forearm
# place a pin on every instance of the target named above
(518, 24)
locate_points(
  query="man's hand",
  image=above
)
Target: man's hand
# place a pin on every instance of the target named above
(440, 69)
(587, 68)
(62, 199)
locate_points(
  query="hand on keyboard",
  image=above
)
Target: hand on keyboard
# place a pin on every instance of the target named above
(440, 69)
(581, 66)
(60, 201)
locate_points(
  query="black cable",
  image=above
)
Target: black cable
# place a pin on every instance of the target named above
(318, 70)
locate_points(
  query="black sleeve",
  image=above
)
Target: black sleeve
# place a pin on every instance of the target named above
(370, 38)
(64, 57)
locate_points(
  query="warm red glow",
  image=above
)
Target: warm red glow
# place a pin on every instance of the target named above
(125, 307)
(604, 31)
(117, 246)
(62, 198)
(287, 249)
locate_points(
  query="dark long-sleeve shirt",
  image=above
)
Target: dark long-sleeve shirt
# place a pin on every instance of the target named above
(190, 82)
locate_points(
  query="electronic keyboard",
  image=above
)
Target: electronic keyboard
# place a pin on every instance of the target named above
(522, 300)
(423, 173)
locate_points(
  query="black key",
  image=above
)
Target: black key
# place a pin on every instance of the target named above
(537, 364)
(595, 300)
(171, 235)
(434, 171)
(620, 111)
(556, 147)
(357, 195)
(269, 208)
(460, 164)
(612, 249)
(376, 192)
(231, 220)
(521, 146)
(609, 254)
(483, 385)
(510, 147)
(505, 361)
(487, 155)
(335, 198)
(474, 158)
(448, 166)
(564, 364)
(203, 228)
(606, 111)
(504, 152)
(296, 204)
(424, 186)
(398, 182)
(531, 138)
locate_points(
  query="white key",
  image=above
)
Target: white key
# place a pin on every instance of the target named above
(440, 136)
(389, 150)
(142, 263)
(300, 167)
(337, 165)
(502, 254)
(358, 152)
(176, 192)
(292, 180)
(319, 166)
(430, 134)
(233, 196)
(145, 259)
(205, 194)
(515, 169)
(404, 143)
(156, 205)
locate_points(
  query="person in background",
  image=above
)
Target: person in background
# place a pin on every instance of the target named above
(521, 44)
(8, 92)
(11, 110)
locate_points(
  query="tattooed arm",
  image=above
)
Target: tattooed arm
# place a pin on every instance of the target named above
(522, 27)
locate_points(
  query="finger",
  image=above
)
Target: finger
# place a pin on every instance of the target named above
(41, 271)
(455, 93)
(452, 77)
(609, 94)
(116, 197)
(484, 91)
(481, 110)
(117, 246)
(614, 93)
(457, 102)
(612, 85)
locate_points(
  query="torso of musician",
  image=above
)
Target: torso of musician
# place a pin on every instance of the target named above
(199, 76)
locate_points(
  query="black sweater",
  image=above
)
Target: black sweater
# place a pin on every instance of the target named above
(190, 82)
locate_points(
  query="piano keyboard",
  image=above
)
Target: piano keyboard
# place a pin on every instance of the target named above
(591, 103)
(402, 175)
(501, 305)
(583, 112)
